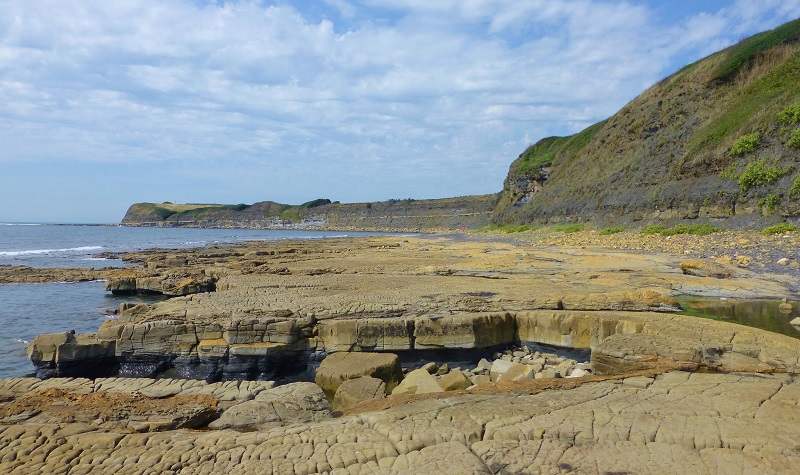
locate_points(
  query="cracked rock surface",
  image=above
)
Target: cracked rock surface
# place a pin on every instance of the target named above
(676, 422)
(738, 415)
(274, 301)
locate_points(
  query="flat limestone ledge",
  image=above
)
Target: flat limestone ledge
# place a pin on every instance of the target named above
(620, 341)
(450, 332)
(237, 391)
(674, 423)
(628, 341)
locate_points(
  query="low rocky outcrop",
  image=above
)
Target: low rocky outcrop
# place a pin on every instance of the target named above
(288, 404)
(169, 285)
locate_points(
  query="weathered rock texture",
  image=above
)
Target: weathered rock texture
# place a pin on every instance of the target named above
(354, 391)
(280, 306)
(340, 367)
(674, 423)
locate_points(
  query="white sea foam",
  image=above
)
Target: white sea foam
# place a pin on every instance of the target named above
(29, 252)
(20, 224)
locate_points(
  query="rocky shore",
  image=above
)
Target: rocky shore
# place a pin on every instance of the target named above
(659, 392)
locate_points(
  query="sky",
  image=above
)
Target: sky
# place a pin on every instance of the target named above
(108, 103)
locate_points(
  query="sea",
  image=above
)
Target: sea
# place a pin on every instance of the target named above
(27, 310)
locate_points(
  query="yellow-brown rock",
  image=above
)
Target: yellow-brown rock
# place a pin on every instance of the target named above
(339, 367)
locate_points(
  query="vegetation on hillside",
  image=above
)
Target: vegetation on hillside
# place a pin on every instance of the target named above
(722, 135)
(545, 151)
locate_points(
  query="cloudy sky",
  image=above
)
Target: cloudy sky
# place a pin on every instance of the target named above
(107, 103)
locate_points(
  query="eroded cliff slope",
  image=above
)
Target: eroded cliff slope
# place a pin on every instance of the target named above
(718, 139)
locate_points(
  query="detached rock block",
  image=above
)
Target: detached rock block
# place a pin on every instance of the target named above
(703, 268)
(339, 367)
(354, 391)
(419, 381)
(58, 354)
(454, 380)
(518, 372)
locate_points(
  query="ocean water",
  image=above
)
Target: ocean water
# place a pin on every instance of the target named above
(27, 310)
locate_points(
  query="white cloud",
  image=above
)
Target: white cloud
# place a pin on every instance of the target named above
(367, 100)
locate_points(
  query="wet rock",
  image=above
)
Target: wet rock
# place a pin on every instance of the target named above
(170, 285)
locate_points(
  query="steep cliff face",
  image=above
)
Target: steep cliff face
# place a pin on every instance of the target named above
(718, 139)
(449, 213)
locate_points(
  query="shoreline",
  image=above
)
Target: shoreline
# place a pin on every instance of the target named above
(279, 303)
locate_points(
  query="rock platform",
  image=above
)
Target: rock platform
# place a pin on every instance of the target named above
(667, 393)
(279, 307)
(677, 422)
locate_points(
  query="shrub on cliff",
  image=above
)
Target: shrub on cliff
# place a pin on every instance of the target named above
(790, 115)
(794, 139)
(760, 173)
(746, 144)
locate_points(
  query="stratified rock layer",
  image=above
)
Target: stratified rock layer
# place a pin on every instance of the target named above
(280, 307)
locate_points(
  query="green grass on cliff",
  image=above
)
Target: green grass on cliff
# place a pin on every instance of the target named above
(545, 151)
(744, 54)
(734, 108)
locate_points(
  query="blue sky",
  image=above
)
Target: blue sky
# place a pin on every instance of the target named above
(110, 103)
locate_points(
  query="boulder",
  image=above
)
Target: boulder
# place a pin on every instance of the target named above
(480, 379)
(354, 391)
(578, 373)
(454, 380)
(419, 381)
(704, 268)
(517, 372)
(339, 367)
(499, 367)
